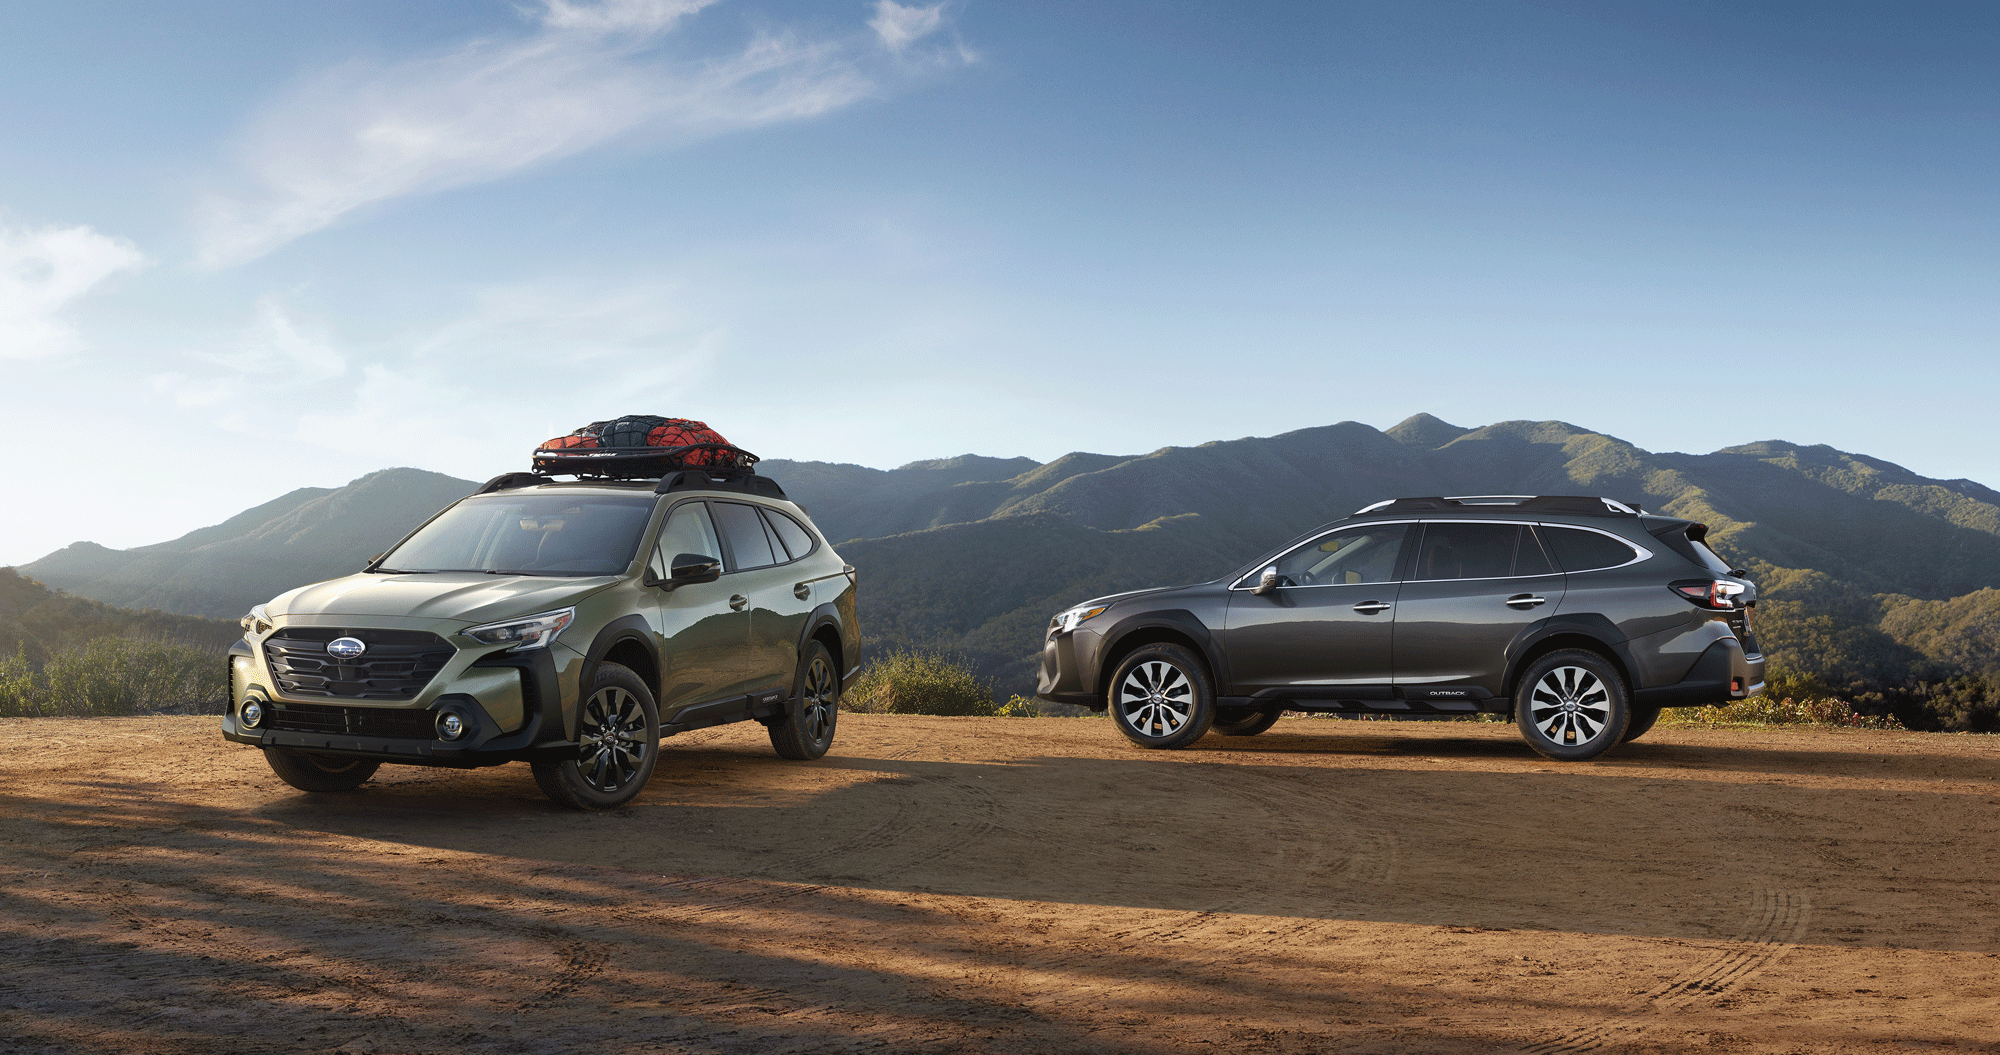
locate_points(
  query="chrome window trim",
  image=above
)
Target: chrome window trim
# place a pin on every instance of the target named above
(1262, 564)
(1644, 553)
(1491, 578)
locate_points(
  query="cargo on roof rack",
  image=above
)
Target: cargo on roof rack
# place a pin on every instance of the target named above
(631, 463)
(1574, 505)
(716, 466)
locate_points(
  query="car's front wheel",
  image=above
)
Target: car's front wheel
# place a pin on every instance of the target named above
(618, 743)
(1571, 705)
(1161, 696)
(308, 772)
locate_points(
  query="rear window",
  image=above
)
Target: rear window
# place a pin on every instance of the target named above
(1580, 550)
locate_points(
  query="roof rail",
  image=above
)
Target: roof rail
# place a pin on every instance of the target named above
(1573, 505)
(509, 481)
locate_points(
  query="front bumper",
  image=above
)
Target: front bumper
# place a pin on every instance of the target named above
(523, 687)
(1068, 664)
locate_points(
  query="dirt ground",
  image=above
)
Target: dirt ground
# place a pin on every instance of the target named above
(1013, 885)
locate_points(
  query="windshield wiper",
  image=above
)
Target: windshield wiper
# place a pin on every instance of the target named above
(400, 571)
(494, 571)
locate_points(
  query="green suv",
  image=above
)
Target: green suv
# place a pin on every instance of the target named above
(571, 625)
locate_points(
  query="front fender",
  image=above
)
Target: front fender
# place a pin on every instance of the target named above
(626, 628)
(1180, 620)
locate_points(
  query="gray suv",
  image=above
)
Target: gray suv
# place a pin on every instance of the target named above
(1579, 617)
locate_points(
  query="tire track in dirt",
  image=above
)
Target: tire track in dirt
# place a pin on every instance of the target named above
(237, 966)
(1775, 926)
(1322, 847)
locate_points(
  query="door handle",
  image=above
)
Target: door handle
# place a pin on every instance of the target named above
(802, 590)
(1371, 607)
(738, 603)
(1525, 600)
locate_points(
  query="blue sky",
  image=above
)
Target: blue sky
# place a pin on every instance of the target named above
(246, 247)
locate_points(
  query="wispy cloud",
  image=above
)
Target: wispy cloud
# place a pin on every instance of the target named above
(517, 354)
(44, 270)
(276, 356)
(586, 74)
(898, 25)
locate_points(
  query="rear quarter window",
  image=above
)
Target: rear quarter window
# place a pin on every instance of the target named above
(1579, 550)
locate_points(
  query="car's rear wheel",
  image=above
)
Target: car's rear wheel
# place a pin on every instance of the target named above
(1161, 696)
(618, 743)
(1245, 721)
(806, 730)
(308, 772)
(1571, 705)
(1642, 719)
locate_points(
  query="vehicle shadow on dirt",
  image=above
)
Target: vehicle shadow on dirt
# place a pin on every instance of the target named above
(1627, 848)
(140, 924)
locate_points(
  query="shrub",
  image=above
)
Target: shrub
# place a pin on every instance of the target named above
(914, 682)
(114, 675)
(1773, 710)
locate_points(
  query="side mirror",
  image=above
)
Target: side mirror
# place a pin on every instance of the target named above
(690, 568)
(1267, 582)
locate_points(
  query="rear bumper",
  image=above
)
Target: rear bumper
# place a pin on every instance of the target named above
(1723, 674)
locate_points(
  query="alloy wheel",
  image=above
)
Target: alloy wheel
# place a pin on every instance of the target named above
(610, 745)
(1570, 706)
(821, 697)
(1156, 698)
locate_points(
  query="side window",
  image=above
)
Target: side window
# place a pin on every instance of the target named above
(1467, 551)
(1580, 550)
(688, 530)
(1345, 558)
(1529, 557)
(795, 537)
(749, 540)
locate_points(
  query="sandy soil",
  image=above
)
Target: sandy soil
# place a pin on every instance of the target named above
(1012, 885)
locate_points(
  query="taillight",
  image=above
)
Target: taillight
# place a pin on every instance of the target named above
(1716, 594)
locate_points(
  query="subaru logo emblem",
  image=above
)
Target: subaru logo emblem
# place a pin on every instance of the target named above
(346, 647)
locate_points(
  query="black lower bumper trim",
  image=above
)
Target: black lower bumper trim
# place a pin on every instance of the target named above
(1722, 675)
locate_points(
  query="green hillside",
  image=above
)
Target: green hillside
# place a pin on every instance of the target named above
(39, 621)
(306, 536)
(1879, 584)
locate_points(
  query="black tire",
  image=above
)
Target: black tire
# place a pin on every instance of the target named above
(1643, 718)
(319, 772)
(1160, 696)
(618, 744)
(1245, 721)
(1572, 705)
(806, 730)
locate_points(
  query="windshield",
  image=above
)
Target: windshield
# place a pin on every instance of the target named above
(540, 534)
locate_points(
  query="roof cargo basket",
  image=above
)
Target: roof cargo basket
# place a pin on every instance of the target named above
(635, 463)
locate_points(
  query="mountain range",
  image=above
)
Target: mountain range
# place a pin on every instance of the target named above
(974, 554)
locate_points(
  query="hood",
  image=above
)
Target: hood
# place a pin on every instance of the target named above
(469, 596)
(1113, 598)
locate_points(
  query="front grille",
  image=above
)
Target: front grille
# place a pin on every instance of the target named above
(351, 721)
(396, 666)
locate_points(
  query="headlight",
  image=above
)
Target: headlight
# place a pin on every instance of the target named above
(257, 622)
(1075, 617)
(536, 631)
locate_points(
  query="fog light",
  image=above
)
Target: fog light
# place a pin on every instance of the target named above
(253, 714)
(450, 726)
